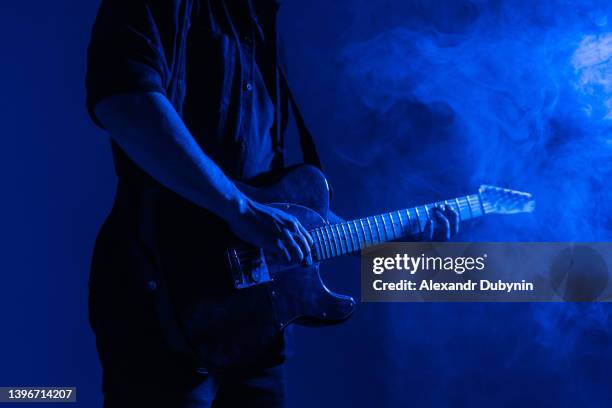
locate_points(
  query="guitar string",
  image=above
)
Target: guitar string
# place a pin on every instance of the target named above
(329, 248)
(464, 203)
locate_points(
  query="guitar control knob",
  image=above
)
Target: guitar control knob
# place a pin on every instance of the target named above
(255, 275)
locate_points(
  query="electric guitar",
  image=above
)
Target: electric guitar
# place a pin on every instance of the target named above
(230, 303)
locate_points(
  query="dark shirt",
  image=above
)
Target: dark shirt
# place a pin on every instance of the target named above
(215, 61)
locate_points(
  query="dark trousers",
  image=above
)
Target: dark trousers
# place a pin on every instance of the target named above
(258, 389)
(139, 367)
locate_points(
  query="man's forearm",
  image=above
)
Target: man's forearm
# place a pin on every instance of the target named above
(153, 135)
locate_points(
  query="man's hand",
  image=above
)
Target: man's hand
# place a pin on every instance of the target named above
(443, 225)
(277, 232)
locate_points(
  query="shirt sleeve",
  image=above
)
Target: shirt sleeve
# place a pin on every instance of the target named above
(126, 52)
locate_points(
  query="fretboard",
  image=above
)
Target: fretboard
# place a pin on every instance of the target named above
(345, 238)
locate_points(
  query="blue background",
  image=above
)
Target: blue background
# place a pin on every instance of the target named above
(411, 101)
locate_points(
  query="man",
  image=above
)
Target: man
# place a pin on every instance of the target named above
(190, 93)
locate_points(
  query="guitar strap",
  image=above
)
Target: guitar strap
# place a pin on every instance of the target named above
(307, 143)
(280, 90)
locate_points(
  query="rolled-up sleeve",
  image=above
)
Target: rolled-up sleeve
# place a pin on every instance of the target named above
(126, 53)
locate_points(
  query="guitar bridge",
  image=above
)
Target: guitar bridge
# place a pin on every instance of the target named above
(248, 267)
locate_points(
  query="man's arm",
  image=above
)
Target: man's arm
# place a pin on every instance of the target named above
(152, 134)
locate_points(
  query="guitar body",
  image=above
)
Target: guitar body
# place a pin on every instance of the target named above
(230, 324)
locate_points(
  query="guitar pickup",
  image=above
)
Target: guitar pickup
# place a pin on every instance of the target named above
(248, 267)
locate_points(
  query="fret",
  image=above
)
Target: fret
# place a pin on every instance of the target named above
(370, 228)
(338, 235)
(401, 223)
(393, 235)
(384, 227)
(365, 237)
(398, 223)
(317, 245)
(359, 244)
(479, 210)
(328, 247)
(350, 236)
(328, 243)
(417, 222)
(382, 236)
(337, 229)
(427, 213)
(327, 250)
(322, 242)
(465, 208)
(392, 225)
(480, 205)
(379, 236)
(459, 209)
(418, 219)
(335, 242)
(409, 221)
(342, 239)
(370, 231)
(473, 208)
(347, 238)
(332, 242)
(385, 236)
(467, 204)
(354, 238)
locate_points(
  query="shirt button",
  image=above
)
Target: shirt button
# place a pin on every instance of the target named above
(248, 87)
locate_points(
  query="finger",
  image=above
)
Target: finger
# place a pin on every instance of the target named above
(428, 231)
(281, 251)
(453, 219)
(306, 234)
(302, 241)
(303, 238)
(442, 230)
(294, 249)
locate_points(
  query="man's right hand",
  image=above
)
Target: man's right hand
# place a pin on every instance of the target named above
(277, 232)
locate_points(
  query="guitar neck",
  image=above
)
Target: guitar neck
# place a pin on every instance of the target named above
(348, 237)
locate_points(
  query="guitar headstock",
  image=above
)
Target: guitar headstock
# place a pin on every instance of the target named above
(497, 200)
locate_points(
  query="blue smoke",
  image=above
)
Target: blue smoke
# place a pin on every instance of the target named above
(446, 95)
(516, 93)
